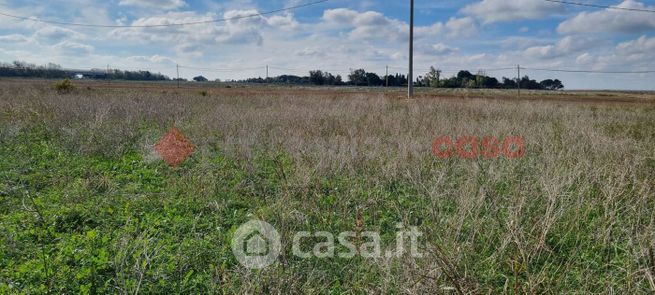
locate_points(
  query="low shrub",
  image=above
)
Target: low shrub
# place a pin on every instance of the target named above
(64, 86)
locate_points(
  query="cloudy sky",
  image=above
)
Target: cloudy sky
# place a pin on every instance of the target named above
(339, 35)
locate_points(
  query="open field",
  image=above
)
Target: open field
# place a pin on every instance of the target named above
(86, 205)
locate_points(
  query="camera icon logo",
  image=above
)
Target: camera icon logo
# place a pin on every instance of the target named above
(256, 244)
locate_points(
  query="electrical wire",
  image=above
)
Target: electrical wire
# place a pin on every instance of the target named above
(589, 71)
(231, 70)
(499, 69)
(601, 6)
(164, 25)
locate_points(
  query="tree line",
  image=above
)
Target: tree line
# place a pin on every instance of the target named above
(358, 77)
(463, 79)
(53, 71)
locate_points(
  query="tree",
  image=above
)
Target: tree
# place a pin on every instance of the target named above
(200, 79)
(509, 83)
(558, 85)
(372, 79)
(452, 82)
(433, 78)
(316, 77)
(358, 77)
(490, 82)
(465, 75)
(396, 80)
(550, 84)
(527, 83)
(338, 80)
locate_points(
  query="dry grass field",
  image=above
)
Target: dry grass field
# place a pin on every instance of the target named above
(87, 206)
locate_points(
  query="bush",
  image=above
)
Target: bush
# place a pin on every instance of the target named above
(64, 86)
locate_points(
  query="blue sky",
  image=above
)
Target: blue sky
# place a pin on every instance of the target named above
(340, 35)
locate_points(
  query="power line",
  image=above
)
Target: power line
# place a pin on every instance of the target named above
(498, 69)
(218, 20)
(150, 69)
(589, 71)
(602, 6)
(221, 70)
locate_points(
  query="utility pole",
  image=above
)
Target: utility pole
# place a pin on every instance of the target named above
(178, 75)
(266, 73)
(387, 77)
(410, 77)
(108, 81)
(518, 79)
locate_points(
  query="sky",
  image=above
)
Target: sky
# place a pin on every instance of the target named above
(340, 35)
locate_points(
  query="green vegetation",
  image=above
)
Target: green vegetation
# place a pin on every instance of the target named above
(64, 86)
(86, 207)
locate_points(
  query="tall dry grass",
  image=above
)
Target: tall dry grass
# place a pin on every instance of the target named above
(574, 215)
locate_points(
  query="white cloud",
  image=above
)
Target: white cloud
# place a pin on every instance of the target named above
(15, 38)
(516, 42)
(584, 58)
(152, 59)
(634, 55)
(50, 33)
(70, 47)
(637, 50)
(286, 22)
(610, 20)
(156, 4)
(566, 46)
(461, 27)
(432, 30)
(367, 25)
(340, 16)
(443, 49)
(372, 25)
(510, 10)
(234, 31)
(310, 52)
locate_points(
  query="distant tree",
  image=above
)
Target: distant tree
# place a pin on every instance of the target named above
(317, 77)
(527, 83)
(200, 79)
(338, 80)
(558, 85)
(465, 75)
(463, 79)
(452, 82)
(358, 77)
(490, 82)
(324, 78)
(550, 84)
(372, 79)
(509, 83)
(433, 78)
